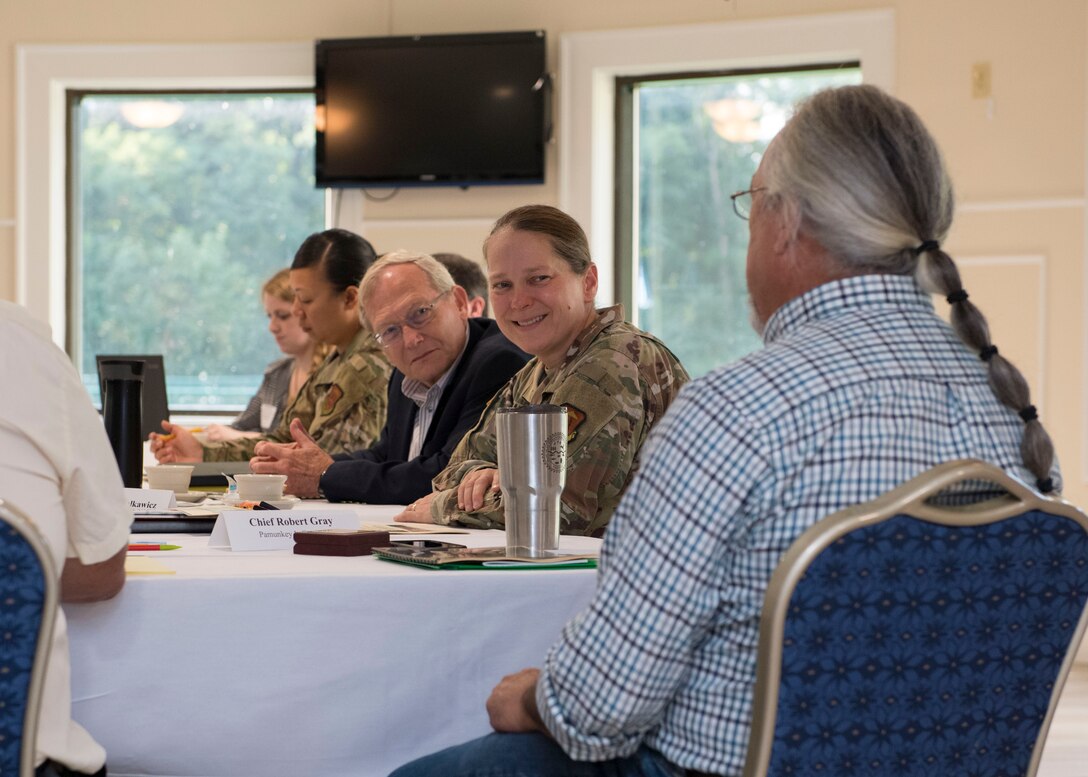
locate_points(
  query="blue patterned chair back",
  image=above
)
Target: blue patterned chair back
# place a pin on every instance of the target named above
(905, 638)
(28, 606)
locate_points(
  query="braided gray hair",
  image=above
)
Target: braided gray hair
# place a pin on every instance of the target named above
(857, 170)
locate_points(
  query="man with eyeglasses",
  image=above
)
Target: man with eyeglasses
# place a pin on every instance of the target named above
(859, 387)
(447, 368)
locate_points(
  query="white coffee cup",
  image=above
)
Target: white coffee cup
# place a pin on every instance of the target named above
(260, 487)
(169, 477)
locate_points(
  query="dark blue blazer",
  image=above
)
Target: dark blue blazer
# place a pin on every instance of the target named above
(382, 474)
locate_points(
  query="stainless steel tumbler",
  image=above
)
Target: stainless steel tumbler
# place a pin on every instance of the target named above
(532, 452)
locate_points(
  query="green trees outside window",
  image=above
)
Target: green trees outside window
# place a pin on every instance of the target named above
(697, 141)
(183, 205)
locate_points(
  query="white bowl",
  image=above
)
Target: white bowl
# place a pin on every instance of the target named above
(170, 477)
(260, 487)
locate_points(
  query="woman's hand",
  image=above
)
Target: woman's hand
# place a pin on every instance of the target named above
(417, 512)
(474, 488)
(178, 445)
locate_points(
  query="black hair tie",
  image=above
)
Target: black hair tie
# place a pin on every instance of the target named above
(1029, 414)
(1045, 485)
(926, 246)
(987, 353)
(957, 296)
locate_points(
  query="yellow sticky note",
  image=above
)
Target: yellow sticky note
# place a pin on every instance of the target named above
(142, 565)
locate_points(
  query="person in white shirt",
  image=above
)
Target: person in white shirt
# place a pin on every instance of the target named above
(56, 465)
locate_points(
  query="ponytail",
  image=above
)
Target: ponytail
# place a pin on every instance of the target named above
(867, 180)
(937, 273)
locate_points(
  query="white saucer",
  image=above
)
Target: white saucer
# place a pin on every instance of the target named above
(191, 496)
(286, 503)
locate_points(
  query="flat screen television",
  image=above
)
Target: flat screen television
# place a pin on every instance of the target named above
(431, 110)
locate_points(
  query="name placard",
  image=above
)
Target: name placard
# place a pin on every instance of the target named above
(273, 529)
(144, 501)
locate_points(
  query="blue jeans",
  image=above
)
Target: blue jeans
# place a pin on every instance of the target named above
(531, 755)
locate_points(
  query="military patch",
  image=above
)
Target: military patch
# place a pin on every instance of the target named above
(575, 417)
(334, 394)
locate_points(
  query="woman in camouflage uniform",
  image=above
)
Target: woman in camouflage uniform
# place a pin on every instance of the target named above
(615, 380)
(342, 404)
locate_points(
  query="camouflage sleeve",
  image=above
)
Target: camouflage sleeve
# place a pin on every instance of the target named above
(231, 450)
(350, 413)
(242, 449)
(604, 428)
(343, 410)
(475, 451)
(444, 510)
(605, 425)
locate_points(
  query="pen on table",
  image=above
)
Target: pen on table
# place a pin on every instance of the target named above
(152, 546)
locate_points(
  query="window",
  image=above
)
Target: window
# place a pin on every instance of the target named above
(181, 206)
(685, 142)
(593, 62)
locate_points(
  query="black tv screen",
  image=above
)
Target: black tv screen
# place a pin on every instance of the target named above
(453, 110)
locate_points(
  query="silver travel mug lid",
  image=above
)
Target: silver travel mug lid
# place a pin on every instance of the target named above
(542, 409)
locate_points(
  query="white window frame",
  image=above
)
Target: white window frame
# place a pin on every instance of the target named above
(44, 74)
(590, 62)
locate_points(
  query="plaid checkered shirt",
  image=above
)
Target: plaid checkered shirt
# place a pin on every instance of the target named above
(860, 387)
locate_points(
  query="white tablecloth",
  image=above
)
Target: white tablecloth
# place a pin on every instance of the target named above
(266, 663)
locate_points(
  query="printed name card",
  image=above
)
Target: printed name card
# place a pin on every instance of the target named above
(145, 501)
(274, 529)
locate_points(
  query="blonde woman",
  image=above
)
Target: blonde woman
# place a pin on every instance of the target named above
(283, 377)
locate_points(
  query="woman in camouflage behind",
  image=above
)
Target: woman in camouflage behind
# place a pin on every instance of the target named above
(342, 404)
(615, 380)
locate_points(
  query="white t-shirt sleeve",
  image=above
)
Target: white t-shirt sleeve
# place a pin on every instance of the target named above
(56, 462)
(98, 515)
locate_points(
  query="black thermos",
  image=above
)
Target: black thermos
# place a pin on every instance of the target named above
(122, 411)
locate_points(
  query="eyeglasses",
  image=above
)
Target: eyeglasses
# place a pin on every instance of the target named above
(390, 334)
(742, 201)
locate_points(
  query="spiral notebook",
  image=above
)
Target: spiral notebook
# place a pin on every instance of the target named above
(482, 558)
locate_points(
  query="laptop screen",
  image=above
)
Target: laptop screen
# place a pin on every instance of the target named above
(153, 399)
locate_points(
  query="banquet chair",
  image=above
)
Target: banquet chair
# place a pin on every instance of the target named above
(920, 634)
(28, 608)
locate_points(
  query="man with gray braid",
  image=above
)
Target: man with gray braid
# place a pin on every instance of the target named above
(860, 387)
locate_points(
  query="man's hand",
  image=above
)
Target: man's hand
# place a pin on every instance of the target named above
(417, 512)
(302, 461)
(177, 445)
(512, 704)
